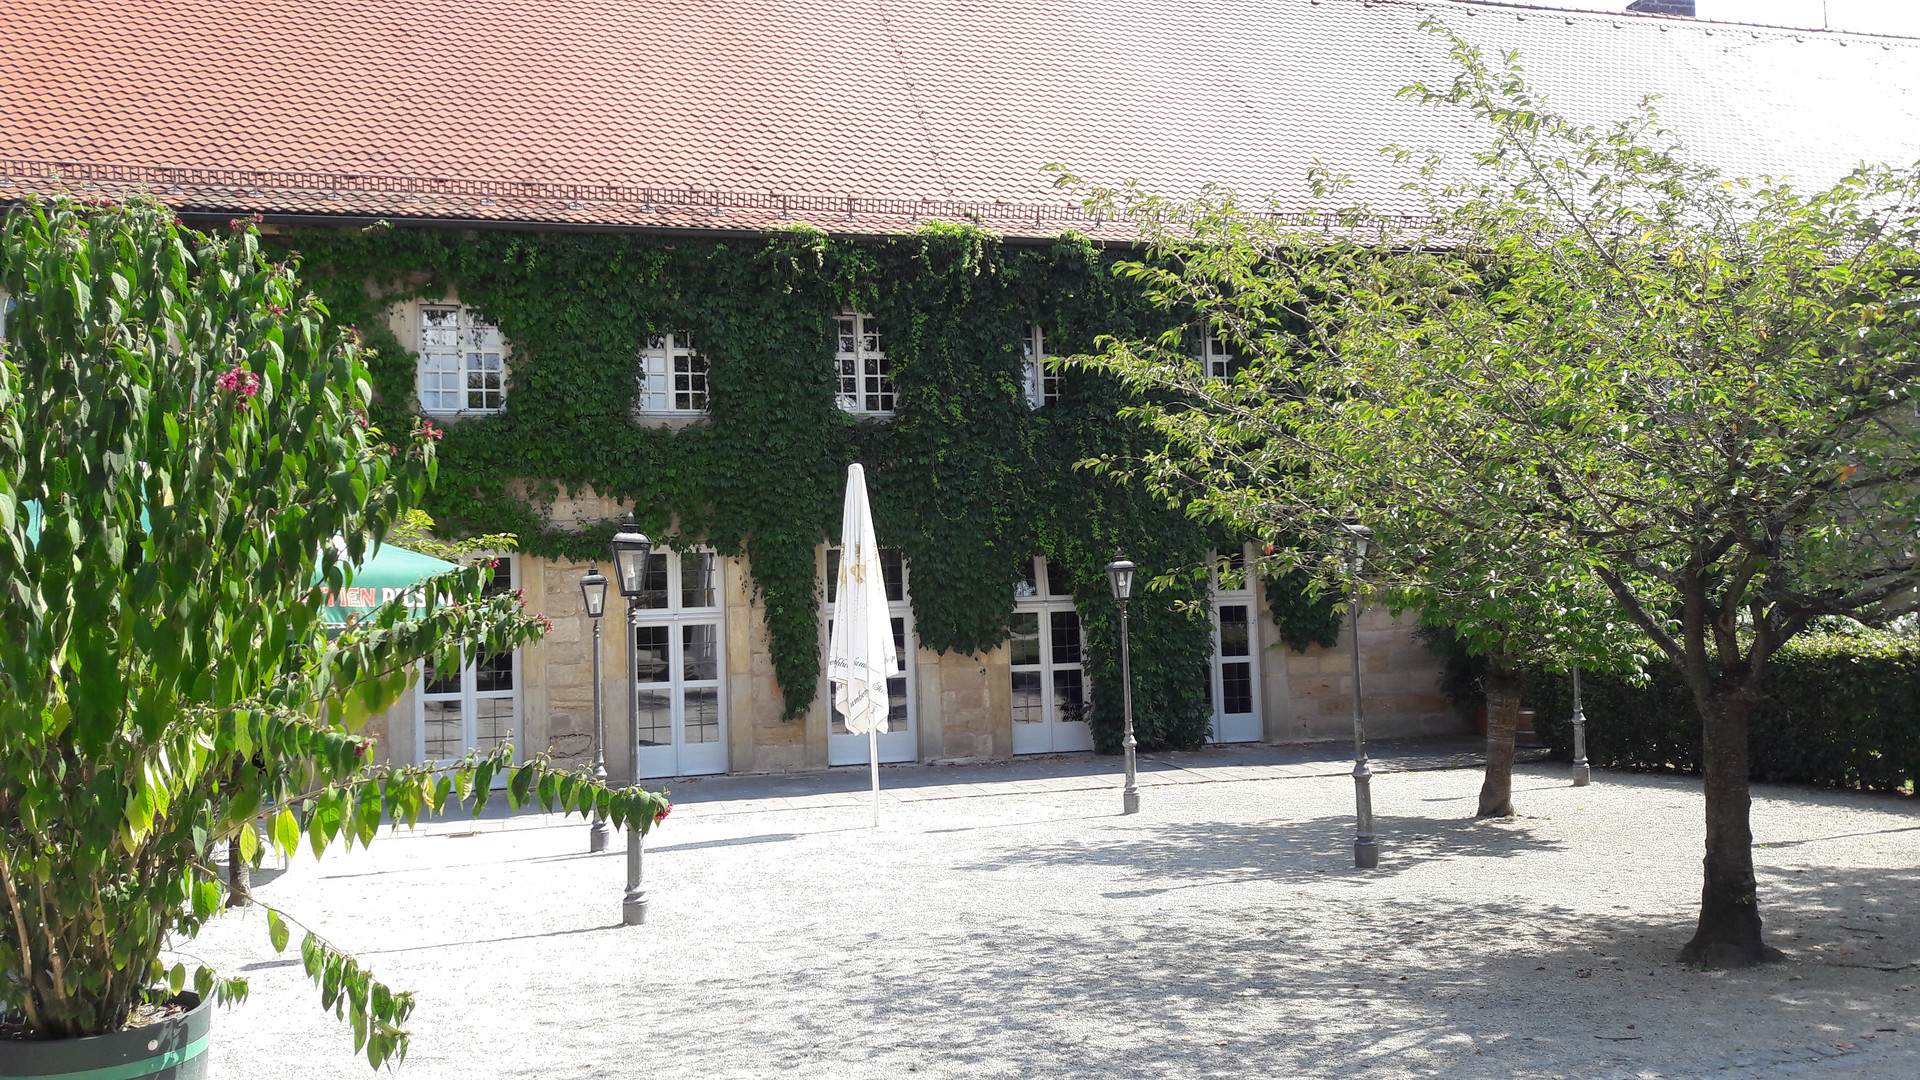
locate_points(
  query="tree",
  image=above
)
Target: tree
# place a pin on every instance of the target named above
(185, 469)
(1595, 363)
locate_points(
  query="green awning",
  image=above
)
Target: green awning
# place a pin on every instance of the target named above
(389, 573)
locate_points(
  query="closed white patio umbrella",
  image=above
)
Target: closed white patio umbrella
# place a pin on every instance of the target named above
(860, 654)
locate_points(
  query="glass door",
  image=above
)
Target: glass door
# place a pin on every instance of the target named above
(679, 660)
(1234, 686)
(474, 707)
(1046, 654)
(899, 742)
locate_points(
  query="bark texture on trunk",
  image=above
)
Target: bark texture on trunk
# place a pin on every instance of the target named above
(1503, 712)
(1728, 934)
(239, 876)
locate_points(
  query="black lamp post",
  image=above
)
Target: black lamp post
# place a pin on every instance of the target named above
(1582, 771)
(593, 589)
(1366, 847)
(630, 552)
(1120, 578)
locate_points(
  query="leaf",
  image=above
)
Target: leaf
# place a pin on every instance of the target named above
(249, 838)
(177, 978)
(286, 832)
(206, 898)
(277, 931)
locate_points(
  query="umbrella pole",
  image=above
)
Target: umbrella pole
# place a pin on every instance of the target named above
(873, 764)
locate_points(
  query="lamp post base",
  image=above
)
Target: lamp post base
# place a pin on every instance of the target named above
(1366, 853)
(633, 910)
(1582, 774)
(597, 836)
(1129, 802)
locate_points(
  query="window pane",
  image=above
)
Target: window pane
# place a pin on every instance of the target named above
(1059, 582)
(893, 571)
(897, 703)
(651, 660)
(1234, 635)
(1065, 636)
(494, 673)
(444, 738)
(1069, 696)
(493, 722)
(900, 644)
(700, 652)
(653, 582)
(656, 718)
(703, 714)
(438, 682)
(1026, 586)
(1024, 646)
(1027, 707)
(696, 579)
(833, 574)
(502, 578)
(1236, 687)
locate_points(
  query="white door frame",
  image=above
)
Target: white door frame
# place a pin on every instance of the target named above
(1246, 726)
(1042, 599)
(666, 674)
(903, 744)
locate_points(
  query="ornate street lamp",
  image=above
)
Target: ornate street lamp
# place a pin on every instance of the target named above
(1366, 848)
(630, 551)
(1582, 772)
(1120, 578)
(593, 589)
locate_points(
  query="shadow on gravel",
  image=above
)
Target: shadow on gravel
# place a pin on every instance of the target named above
(1308, 848)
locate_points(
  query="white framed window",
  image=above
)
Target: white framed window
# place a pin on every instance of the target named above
(475, 706)
(897, 742)
(1046, 655)
(679, 665)
(673, 376)
(864, 381)
(462, 368)
(1043, 383)
(1233, 687)
(1215, 360)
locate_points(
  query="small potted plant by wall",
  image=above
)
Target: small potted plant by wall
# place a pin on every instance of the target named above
(185, 468)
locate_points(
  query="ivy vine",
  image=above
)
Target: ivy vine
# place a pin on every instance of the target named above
(966, 478)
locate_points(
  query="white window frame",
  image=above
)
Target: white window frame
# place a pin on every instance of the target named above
(469, 695)
(1234, 727)
(847, 748)
(672, 371)
(1053, 733)
(455, 361)
(863, 378)
(1043, 382)
(1216, 362)
(677, 756)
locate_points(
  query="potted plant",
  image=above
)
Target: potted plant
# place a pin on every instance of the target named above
(185, 469)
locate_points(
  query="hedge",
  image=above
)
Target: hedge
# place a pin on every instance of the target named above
(1841, 709)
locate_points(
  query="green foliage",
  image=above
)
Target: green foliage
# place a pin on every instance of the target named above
(184, 473)
(965, 477)
(1842, 709)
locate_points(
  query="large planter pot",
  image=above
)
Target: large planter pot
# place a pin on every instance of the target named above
(173, 1049)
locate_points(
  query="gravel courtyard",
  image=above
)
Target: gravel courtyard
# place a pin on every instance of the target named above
(1005, 921)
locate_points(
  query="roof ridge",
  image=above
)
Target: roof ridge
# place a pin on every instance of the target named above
(1707, 25)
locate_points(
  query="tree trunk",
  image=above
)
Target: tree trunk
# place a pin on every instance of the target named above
(239, 875)
(1728, 934)
(1503, 712)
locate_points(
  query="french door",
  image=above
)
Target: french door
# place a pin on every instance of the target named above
(679, 663)
(1234, 679)
(1047, 655)
(900, 740)
(475, 706)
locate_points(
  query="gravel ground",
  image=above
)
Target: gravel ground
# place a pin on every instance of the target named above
(1025, 929)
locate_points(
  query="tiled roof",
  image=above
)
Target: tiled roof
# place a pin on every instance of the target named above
(858, 115)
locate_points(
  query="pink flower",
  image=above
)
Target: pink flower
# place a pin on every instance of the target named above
(662, 815)
(429, 432)
(240, 381)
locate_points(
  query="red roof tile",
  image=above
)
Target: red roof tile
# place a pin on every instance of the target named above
(653, 112)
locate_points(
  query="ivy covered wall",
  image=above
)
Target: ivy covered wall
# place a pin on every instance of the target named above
(965, 477)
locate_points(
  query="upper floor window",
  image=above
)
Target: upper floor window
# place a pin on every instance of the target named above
(865, 381)
(673, 376)
(1043, 382)
(1216, 361)
(460, 362)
